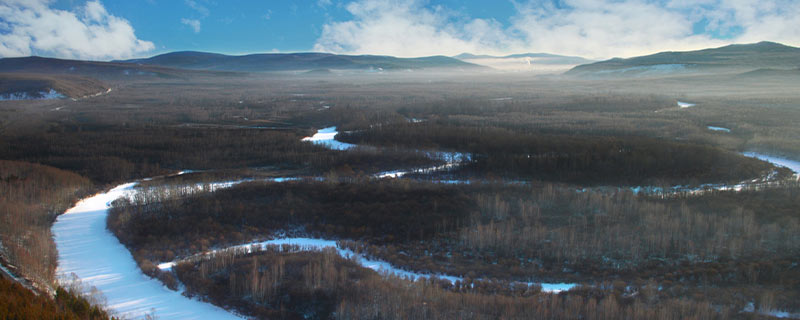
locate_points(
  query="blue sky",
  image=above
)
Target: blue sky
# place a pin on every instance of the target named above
(244, 26)
(229, 26)
(113, 29)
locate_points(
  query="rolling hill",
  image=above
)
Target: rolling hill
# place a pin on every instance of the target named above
(266, 62)
(93, 69)
(735, 58)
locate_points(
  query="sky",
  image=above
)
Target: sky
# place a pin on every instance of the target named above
(594, 29)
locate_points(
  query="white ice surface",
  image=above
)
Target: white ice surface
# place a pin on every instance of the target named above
(326, 136)
(685, 104)
(713, 128)
(92, 253)
(794, 165)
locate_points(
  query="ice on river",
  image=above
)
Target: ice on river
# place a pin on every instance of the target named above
(794, 165)
(326, 137)
(713, 128)
(88, 250)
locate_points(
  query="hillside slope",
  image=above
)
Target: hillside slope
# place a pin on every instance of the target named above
(36, 86)
(93, 69)
(732, 58)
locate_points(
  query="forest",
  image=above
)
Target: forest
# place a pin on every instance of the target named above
(31, 196)
(548, 193)
(506, 233)
(17, 302)
(587, 160)
(283, 282)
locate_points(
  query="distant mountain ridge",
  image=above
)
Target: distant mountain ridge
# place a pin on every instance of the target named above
(541, 58)
(94, 69)
(264, 62)
(734, 58)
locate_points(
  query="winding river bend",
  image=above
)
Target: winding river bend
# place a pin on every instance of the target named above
(95, 256)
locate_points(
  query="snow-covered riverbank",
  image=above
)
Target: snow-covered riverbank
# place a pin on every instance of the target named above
(374, 264)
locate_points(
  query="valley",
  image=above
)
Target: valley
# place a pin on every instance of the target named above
(211, 192)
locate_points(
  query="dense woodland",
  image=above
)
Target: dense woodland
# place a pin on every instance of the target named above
(282, 282)
(159, 226)
(31, 196)
(17, 302)
(710, 255)
(581, 159)
(501, 232)
(120, 154)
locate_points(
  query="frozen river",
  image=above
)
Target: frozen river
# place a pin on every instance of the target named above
(93, 254)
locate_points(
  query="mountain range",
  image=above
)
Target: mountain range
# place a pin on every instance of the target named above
(736, 58)
(751, 60)
(298, 62)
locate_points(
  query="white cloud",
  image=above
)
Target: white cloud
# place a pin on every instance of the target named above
(407, 28)
(90, 32)
(202, 10)
(193, 23)
(589, 28)
(774, 20)
(599, 29)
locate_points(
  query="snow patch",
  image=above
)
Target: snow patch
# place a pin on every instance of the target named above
(685, 105)
(42, 95)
